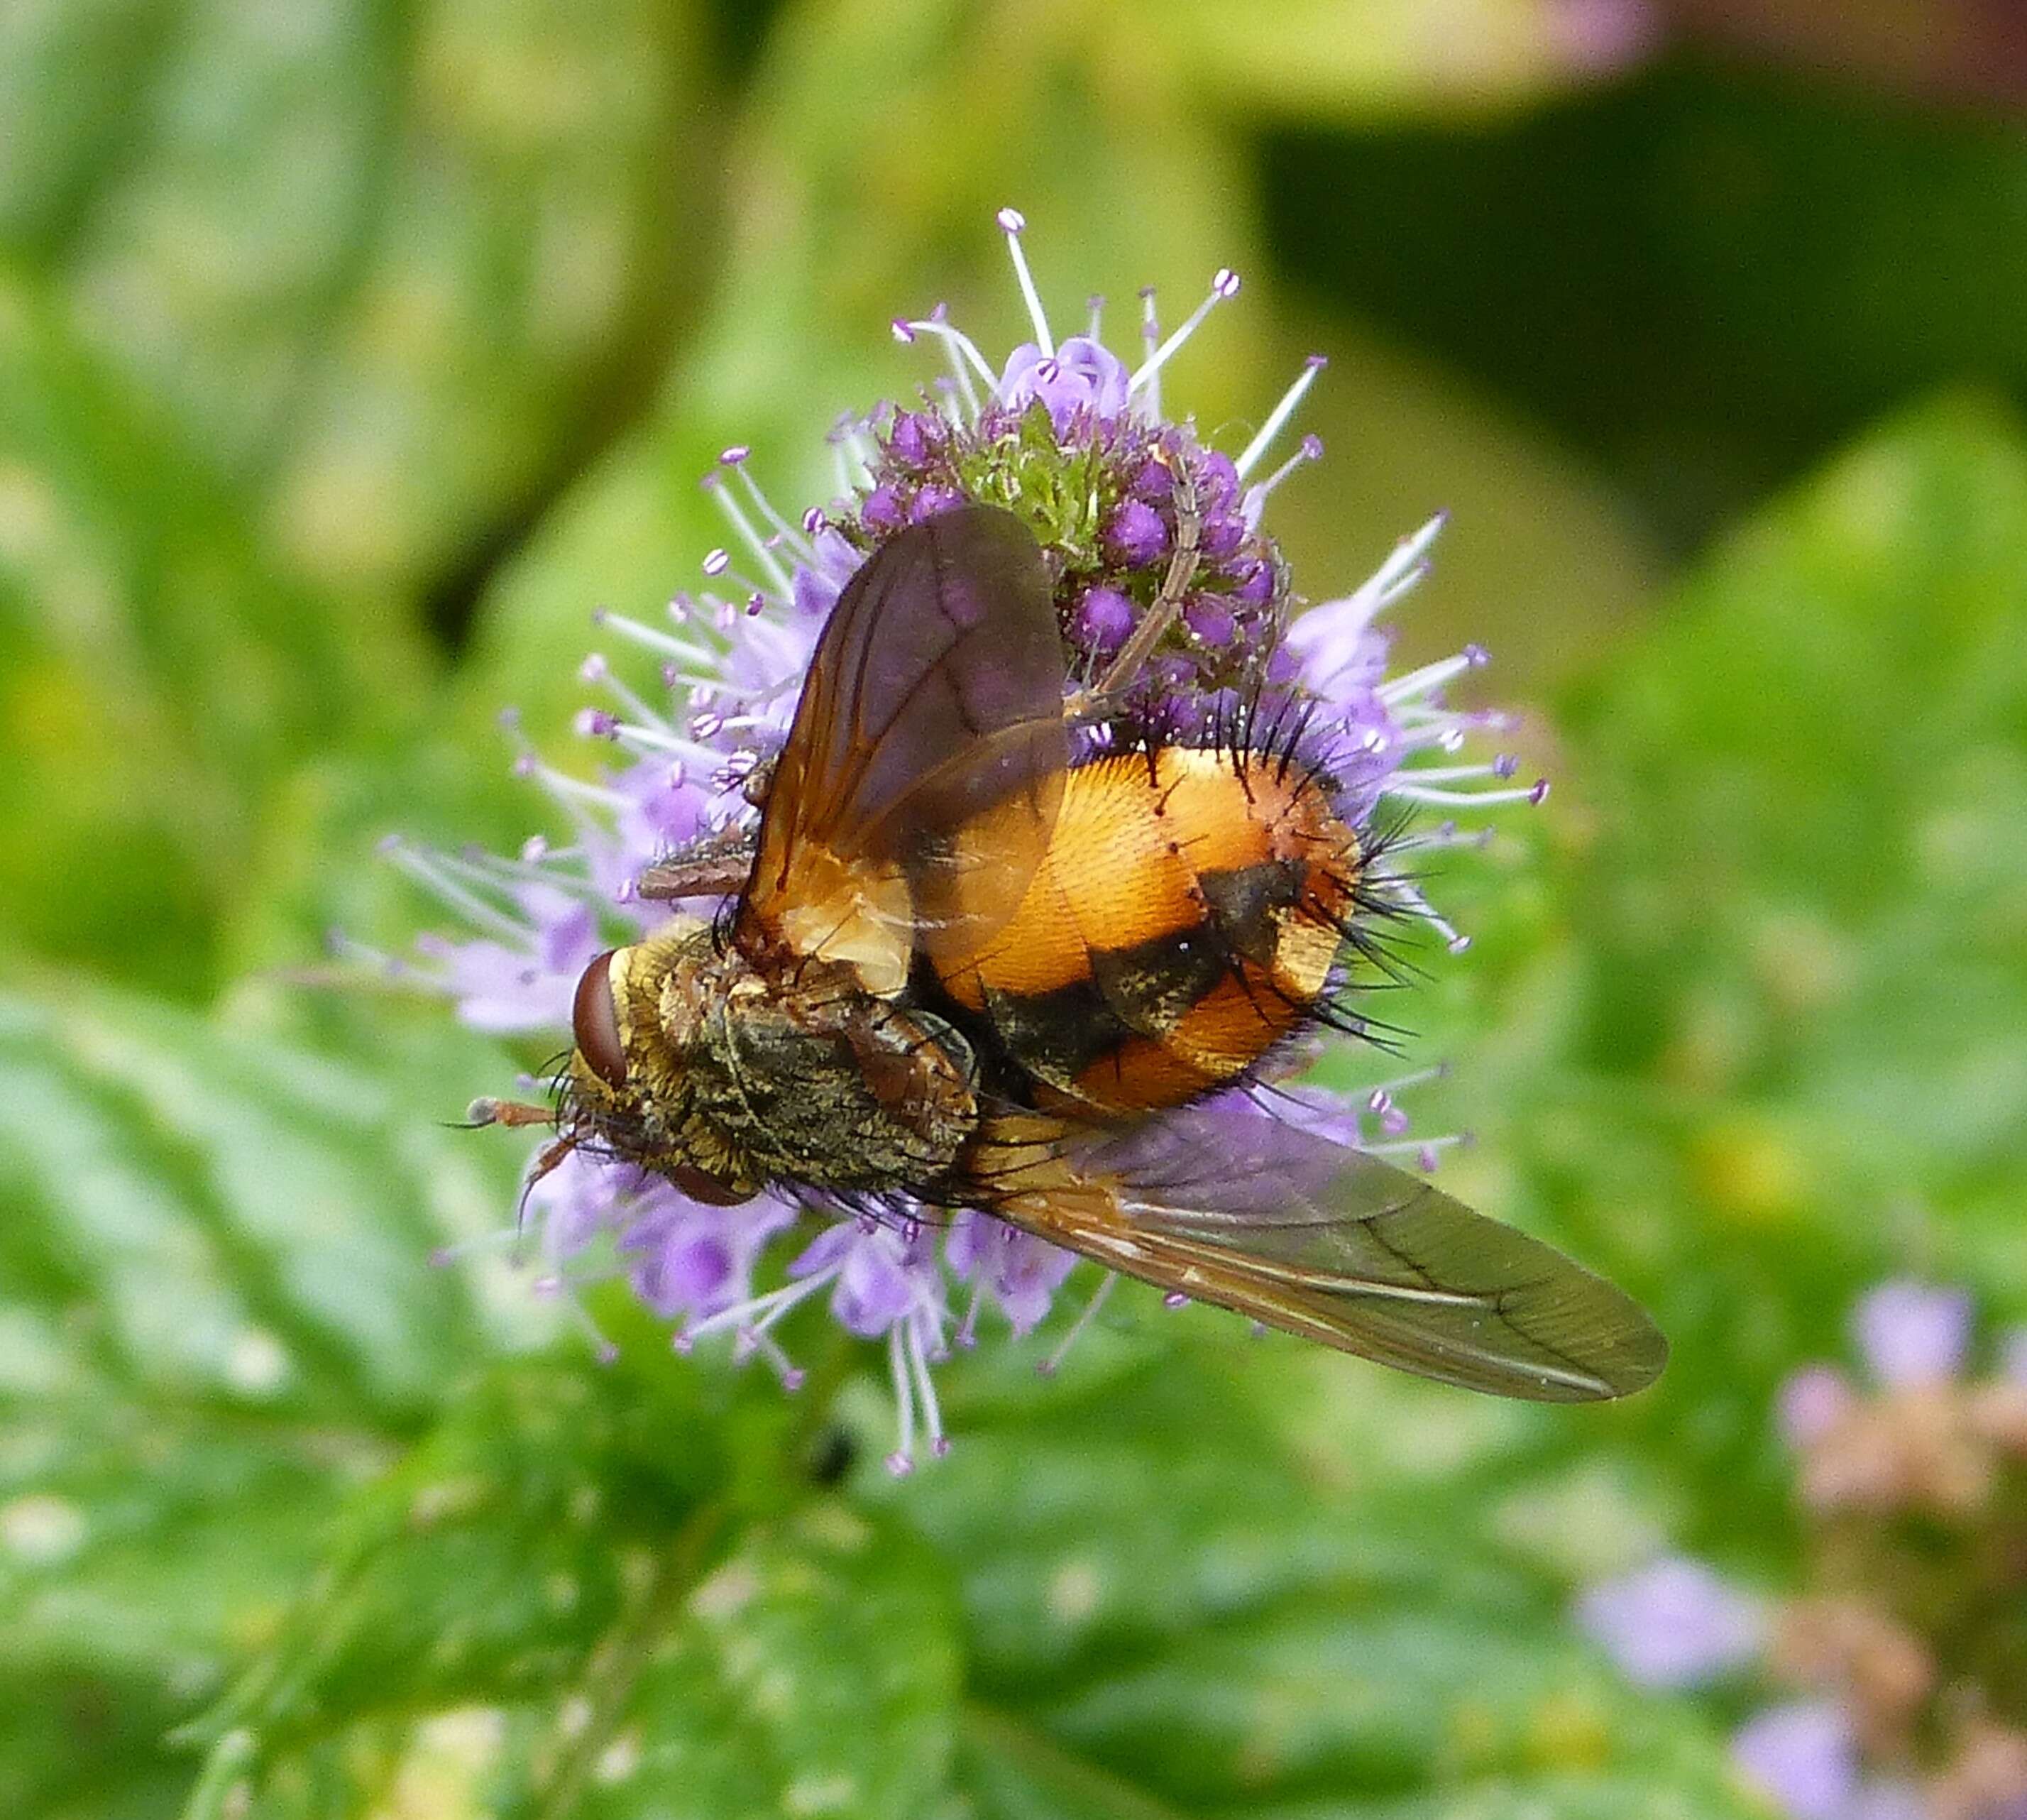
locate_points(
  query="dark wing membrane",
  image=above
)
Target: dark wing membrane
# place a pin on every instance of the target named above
(1233, 1205)
(934, 695)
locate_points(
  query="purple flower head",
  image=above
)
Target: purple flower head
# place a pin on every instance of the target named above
(1804, 1754)
(1154, 539)
(1895, 1654)
(1674, 1623)
(1909, 1333)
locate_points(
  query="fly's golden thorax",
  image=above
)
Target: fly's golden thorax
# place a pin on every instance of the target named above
(691, 1064)
(1186, 917)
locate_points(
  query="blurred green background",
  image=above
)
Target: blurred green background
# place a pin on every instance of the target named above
(352, 351)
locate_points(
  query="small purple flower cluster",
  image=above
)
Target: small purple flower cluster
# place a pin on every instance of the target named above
(1905, 1694)
(1069, 436)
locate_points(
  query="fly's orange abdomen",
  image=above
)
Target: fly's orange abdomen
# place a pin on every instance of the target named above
(1184, 918)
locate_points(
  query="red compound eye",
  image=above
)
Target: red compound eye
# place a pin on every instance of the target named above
(595, 1023)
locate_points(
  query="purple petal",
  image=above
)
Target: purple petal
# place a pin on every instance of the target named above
(1910, 1333)
(1136, 533)
(880, 1274)
(573, 1202)
(1804, 1755)
(1022, 1272)
(664, 808)
(1081, 375)
(502, 989)
(1674, 1623)
(1339, 647)
(692, 1259)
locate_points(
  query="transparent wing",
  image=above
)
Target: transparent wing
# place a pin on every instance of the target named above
(934, 704)
(1231, 1204)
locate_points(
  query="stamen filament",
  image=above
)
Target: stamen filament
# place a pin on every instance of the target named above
(426, 868)
(1277, 418)
(1011, 224)
(1151, 334)
(1049, 1367)
(743, 526)
(1224, 283)
(901, 1462)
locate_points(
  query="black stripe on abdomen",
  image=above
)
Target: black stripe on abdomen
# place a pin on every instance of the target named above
(1142, 991)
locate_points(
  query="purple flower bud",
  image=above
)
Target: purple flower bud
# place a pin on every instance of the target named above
(1154, 480)
(1220, 536)
(1210, 619)
(1253, 582)
(1103, 620)
(882, 509)
(1217, 481)
(1136, 534)
(933, 500)
(1081, 375)
(910, 439)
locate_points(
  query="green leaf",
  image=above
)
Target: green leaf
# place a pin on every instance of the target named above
(217, 1318)
(1172, 1610)
(535, 1597)
(389, 272)
(1774, 1055)
(232, 1218)
(1806, 898)
(155, 673)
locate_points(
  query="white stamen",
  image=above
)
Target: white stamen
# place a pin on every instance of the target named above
(1278, 416)
(1256, 495)
(663, 644)
(1224, 283)
(1417, 1147)
(631, 702)
(964, 352)
(568, 791)
(796, 540)
(427, 868)
(932, 1415)
(1404, 784)
(494, 871)
(1405, 567)
(743, 526)
(1151, 334)
(1423, 681)
(1450, 773)
(901, 1462)
(1011, 224)
(1049, 1367)
(770, 1307)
